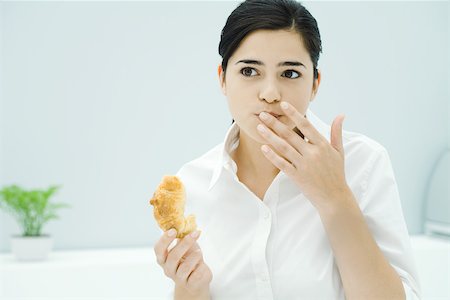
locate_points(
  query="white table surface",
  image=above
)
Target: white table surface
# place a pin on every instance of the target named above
(85, 274)
(134, 274)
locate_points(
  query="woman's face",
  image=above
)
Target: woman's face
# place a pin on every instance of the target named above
(268, 67)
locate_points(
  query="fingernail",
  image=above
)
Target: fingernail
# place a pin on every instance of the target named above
(284, 105)
(264, 116)
(195, 234)
(261, 128)
(171, 232)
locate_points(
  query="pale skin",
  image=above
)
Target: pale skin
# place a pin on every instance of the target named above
(316, 165)
(259, 80)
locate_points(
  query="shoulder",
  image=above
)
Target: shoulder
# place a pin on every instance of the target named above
(356, 141)
(357, 146)
(367, 164)
(362, 150)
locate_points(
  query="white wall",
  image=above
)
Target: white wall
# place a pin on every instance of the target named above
(385, 67)
(107, 97)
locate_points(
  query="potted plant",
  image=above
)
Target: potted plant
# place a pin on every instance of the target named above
(31, 209)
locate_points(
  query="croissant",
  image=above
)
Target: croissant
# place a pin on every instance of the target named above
(168, 207)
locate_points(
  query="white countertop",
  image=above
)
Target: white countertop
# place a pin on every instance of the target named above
(85, 274)
(132, 273)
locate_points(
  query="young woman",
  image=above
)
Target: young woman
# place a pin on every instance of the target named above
(289, 207)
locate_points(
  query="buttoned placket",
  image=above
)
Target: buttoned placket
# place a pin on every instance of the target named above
(260, 259)
(262, 232)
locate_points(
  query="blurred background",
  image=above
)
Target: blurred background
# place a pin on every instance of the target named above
(104, 98)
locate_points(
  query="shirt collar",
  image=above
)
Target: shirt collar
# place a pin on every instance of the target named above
(231, 142)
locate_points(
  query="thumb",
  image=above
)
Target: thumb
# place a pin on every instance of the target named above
(336, 134)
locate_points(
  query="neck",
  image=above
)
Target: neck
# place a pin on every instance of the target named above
(250, 159)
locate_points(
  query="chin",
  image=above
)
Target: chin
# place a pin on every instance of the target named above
(256, 137)
(250, 131)
(260, 140)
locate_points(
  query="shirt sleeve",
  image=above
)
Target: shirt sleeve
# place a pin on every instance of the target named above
(382, 210)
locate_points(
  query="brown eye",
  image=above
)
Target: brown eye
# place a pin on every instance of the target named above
(292, 74)
(247, 72)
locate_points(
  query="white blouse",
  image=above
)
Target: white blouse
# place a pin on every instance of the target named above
(278, 248)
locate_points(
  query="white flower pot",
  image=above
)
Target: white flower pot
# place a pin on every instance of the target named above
(31, 247)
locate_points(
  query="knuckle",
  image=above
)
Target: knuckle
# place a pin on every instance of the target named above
(201, 268)
(196, 258)
(179, 250)
(202, 271)
(175, 257)
(285, 134)
(199, 252)
(315, 154)
(323, 144)
(181, 271)
(289, 171)
(305, 123)
(182, 254)
(285, 165)
(196, 275)
(284, 147)
(193, 259)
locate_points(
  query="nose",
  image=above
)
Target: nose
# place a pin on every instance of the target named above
(269, 91)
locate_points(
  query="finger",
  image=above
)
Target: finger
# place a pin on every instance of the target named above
(195, 278)
(189, 265)
(194, 248)
(279, 162)
(280, 145)
(162, 245)
(297, 131)
(336, 134)
(296, 141)
(303, 124)
(175, 255)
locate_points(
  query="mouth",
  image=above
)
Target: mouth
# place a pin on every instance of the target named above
(273, 114)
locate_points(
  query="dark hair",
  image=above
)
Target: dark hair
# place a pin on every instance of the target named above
(252, 15)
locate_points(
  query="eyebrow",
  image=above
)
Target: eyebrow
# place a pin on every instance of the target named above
(281, 64)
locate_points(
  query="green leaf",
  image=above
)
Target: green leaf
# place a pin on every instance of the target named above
(31, 208)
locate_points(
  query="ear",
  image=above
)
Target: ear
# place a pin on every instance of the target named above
(221, 79)
(316, 84)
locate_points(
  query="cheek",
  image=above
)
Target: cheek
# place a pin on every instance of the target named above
(300, 100)
(237, 90)
(239, 101)
(302, 106)
(242, 112)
